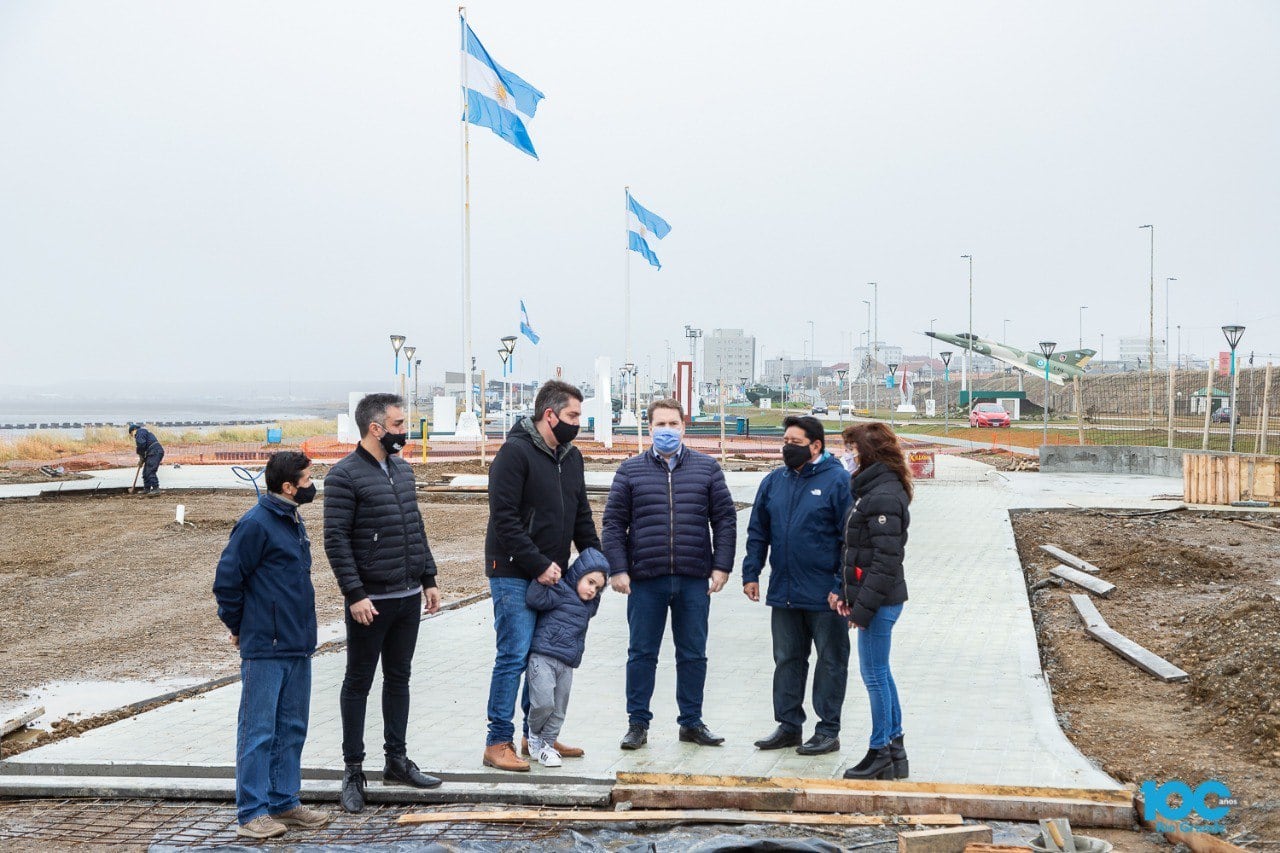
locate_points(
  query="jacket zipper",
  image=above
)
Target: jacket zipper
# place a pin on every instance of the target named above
(671, 522)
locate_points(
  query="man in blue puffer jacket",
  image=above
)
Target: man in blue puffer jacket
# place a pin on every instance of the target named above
(265, 598)
(797, 521)
(670, 533)
(559, 640)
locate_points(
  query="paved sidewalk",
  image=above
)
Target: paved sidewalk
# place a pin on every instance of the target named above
(976, 705)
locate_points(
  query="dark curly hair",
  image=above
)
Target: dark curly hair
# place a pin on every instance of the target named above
(877, 443)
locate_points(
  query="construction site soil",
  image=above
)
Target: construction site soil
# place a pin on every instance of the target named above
(1201, 590)
(110, 588)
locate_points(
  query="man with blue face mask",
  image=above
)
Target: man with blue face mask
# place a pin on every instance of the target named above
(669, 532)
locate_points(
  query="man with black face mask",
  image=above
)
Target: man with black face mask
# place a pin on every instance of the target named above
(377, 545)
(797, 523)
(265, 598)
(537, 509)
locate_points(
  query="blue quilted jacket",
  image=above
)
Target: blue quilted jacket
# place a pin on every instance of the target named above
(561, 631)
(670, 521)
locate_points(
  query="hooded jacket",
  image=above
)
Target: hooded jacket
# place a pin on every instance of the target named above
(263, 582)
(663, 520)
(796, 522)
(561, 632)
(875, 541)
(373, 531)
(537, 506)
(146, 443)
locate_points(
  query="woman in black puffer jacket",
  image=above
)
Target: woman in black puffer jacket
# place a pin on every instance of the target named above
(874, 589)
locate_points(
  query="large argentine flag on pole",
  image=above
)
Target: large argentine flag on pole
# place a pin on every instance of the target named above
(641, 225)
(496, 98)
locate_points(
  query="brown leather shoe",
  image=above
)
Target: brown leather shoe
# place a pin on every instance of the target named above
(565, 751)
(502, 756)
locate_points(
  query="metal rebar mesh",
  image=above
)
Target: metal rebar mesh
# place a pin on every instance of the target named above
(141, 823)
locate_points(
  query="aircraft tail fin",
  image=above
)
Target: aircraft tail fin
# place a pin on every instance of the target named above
(1075, 357)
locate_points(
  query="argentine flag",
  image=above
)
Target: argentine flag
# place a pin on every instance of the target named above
(525, 328)
(641, 225)
(496, 98)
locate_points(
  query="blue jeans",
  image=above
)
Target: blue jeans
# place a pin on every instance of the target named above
(795, 633)
(647, 607)
(873, 662)
(513, 623)
(275, 698)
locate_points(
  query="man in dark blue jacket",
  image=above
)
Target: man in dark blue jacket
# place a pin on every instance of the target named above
(797, 523)
(150, 453)
(265, 598)
(670, 531)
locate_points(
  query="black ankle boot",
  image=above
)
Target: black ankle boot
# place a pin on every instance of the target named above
(898, 749)
(878, 764)
(353, 784)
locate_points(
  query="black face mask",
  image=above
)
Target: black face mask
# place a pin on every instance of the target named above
(795, 455)
(305, 494)
(564, 432)
(393, 442)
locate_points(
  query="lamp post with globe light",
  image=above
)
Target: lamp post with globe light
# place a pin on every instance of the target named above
(1047, 348)
(404, 390)
(945, 355)
(1233, 334)
(397, 341)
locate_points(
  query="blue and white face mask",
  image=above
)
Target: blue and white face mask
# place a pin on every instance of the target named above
(666, 440)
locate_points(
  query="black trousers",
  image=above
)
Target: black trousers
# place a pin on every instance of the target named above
(150, 469)
(392, 636)
(795, 633)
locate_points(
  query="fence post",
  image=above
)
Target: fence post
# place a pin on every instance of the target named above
(1266, 410)
(1208, 406)
(1075, 380)
(1171, 405)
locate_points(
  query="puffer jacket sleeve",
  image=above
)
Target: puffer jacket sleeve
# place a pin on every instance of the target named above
(842, 500)
(239, 559)
(506, 485)
(339, 523)
(429, 561)
(541, 597)
(885, 527)
(724, 522)
(617, 523)
(757, 535)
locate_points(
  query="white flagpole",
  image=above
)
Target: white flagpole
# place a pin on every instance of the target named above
(466, 222)
(626, 258)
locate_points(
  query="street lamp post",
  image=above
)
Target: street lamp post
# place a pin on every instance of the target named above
(1151, 334)
(964, 375)
(1233, 335)
(786, 388)
(945, 355)
(893, 371)
(1047, 347)
(417, 376)
(404, 392)
(1080, 344)
(931, 322)
(397, 341)
(841, 373)
(1166, 318)
(506, 403)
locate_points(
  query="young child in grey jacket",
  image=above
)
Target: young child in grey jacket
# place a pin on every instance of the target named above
(564, 609)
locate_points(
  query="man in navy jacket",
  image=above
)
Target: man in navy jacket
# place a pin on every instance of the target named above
(670, 531)
(265, 598)
(797, 522)
(150, 454)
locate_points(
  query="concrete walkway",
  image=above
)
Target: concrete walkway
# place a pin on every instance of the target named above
(976, 705)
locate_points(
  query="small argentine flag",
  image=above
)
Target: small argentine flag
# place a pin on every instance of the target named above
(525, 328)
(641, 225)
(496, 98)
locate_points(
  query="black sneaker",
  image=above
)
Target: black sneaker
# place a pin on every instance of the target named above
(636, 736)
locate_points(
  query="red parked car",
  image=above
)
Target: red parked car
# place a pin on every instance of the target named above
(989, 415)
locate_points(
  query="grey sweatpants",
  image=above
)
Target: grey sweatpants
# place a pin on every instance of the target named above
(549, 683)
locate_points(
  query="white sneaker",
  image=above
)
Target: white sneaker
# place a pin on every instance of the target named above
(548, 757)
(535, 746)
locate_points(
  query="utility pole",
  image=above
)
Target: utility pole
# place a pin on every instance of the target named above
(1151, 335)
(968, 350)
(875, 337)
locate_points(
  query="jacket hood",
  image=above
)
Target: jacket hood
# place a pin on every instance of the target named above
(526, 429)
(590, 560)
(280, 507)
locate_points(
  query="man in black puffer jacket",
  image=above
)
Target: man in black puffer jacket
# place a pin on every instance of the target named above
(377, 546)
(670, 531)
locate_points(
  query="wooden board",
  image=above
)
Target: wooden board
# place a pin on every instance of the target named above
(951, 839)
(671, 780)
(21, 720)
(1098, 628)
(1070, 559)
(996, 848)
(674, 816)
(1081, 579)
(1088, 612)
(837, 800)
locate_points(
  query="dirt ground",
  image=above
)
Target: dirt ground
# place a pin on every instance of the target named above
(110, 588)
(1200, 590)
(1003, 460)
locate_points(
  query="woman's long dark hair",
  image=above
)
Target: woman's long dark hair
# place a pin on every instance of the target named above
(877, 443)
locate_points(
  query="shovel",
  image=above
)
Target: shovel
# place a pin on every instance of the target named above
(134, 487)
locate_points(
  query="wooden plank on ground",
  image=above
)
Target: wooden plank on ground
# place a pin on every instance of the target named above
(996, 848)
(1070, 559)
(1088, 611)
(673, 816)
(844, 801)
(1233, 479)
(1082, 579)
(951, 839)
(1136, 654)
(21, 720)
(702, 780)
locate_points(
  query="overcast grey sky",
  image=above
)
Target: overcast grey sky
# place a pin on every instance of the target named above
(229, 189)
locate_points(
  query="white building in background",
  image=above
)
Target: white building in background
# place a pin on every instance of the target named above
(728, 354)
(882, 351)
(803, 371)
(1135, 351)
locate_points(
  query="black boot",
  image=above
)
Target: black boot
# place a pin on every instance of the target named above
(899, 751)
(636, 736)
(352, 797)
(878, 764)
(782, 737)
(401, 771)
(700, 734)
